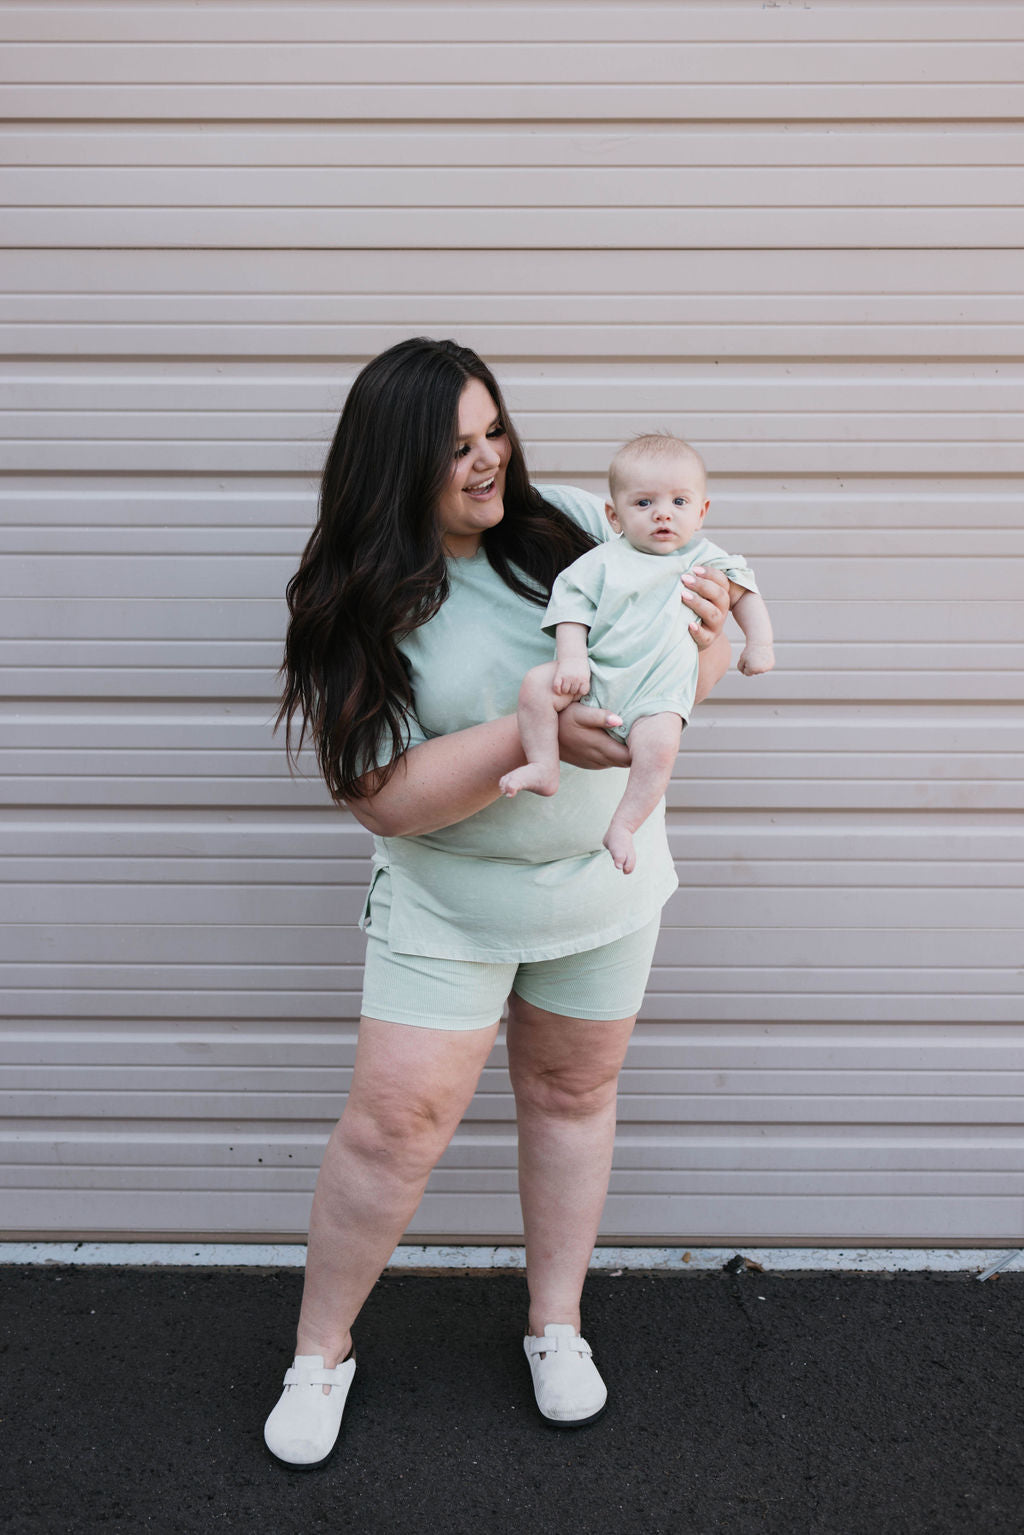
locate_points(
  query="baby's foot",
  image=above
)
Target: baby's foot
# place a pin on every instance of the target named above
(539, 780)
(619, 843)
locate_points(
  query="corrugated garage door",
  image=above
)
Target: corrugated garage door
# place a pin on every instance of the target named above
(791, 233)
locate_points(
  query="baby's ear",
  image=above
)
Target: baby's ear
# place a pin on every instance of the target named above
(609, 512)
(703, 512)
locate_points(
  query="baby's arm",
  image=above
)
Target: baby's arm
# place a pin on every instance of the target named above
(572, 669)
(750, 612)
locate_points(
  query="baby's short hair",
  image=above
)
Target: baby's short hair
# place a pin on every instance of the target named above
(650, 445)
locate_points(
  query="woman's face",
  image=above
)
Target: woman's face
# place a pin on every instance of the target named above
(473, 499)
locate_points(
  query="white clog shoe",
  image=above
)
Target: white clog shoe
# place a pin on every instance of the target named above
(303, 1428)
(566, 1382)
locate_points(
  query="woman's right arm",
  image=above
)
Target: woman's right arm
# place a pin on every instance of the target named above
(441, 781)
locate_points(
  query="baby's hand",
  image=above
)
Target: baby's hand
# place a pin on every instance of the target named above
(756, 659)
(572, 679)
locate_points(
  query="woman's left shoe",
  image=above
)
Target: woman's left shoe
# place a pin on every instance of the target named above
(569, 1390)
(303, 1428)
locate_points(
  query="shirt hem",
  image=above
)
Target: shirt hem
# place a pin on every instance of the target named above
(577, 945)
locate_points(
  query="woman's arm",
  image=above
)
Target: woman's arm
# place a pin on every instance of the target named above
(441, 781)
(713, 664)
(706, 592)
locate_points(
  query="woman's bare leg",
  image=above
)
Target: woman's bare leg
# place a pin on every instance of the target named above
(410, 1088)
(564, 1073)
(653, 745)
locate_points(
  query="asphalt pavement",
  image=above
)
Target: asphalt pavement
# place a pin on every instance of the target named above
(133, 1400)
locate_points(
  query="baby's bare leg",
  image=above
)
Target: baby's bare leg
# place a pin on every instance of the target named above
(539, 708)
(653, 744)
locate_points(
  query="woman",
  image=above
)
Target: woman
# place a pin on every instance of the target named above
(414, 615)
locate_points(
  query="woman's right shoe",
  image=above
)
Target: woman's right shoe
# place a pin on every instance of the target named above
(569, 1390)
(303, 1428)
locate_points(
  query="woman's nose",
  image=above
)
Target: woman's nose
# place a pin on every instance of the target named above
(488, 456)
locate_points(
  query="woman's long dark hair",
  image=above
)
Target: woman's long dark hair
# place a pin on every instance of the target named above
(374, 568)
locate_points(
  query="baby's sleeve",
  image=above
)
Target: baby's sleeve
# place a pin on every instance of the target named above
(571, 601)
(733, 565)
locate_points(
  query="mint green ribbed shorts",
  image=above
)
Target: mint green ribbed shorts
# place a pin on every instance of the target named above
(603, 983)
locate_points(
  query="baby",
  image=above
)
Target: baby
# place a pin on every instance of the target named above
(622, 631)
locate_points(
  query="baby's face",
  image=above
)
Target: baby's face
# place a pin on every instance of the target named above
(659, 504)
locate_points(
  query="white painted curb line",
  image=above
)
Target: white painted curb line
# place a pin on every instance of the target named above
(859, 1260)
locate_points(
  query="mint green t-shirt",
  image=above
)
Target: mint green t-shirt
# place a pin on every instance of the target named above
(526, 878)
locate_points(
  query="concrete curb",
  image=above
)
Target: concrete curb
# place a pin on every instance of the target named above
(864, 1260)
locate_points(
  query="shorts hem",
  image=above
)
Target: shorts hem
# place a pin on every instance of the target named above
(585, 1015)
(421, 1022)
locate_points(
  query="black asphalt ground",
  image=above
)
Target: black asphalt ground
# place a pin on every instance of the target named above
(803, 1405)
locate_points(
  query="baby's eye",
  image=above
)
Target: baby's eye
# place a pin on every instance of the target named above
(680, 501)
(643, 501)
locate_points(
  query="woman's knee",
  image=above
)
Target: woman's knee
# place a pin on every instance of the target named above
(407, 1135)
(574, 1091)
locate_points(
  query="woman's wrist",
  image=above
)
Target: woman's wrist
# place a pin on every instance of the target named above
(712, 665)
(583, 739)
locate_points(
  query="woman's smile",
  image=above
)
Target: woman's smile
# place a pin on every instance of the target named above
(473, 499)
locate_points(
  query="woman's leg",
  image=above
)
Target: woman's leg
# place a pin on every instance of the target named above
(410, 1088)
(564, 1074)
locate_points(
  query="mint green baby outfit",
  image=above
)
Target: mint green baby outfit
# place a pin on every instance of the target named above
(528, 878)
(643, 659)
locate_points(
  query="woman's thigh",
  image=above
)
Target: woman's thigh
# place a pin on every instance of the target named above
(570, 1019)
(564, 1063)
(412, 1077)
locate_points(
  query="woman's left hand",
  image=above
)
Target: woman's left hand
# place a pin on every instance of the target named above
(705, 591)
(583, 739)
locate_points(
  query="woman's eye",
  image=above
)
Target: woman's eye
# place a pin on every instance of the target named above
(496, 431)
(461, 452)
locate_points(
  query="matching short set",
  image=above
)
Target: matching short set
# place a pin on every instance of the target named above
(455, 994)
(521, 897)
